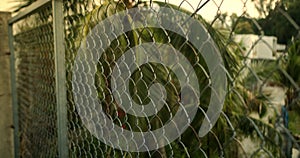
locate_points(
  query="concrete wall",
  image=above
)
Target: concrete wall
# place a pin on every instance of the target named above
(6, 130)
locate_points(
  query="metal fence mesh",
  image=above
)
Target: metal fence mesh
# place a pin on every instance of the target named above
(251, 122)
(36, 84)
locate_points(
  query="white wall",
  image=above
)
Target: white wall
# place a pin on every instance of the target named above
(256, 47)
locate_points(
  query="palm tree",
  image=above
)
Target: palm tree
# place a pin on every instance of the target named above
(216, 143)
(291, 78)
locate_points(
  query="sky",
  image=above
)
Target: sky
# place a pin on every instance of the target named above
(209, 11)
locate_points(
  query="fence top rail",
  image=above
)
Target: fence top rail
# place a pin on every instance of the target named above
(29, 10)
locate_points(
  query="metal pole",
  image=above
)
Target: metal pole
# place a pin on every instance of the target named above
(60, 71)
(14, 92)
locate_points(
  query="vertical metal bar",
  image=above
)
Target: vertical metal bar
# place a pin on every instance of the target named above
(60, 71)
(14, 92)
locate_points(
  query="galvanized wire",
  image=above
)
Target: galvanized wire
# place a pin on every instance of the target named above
(36, 84)
(250, 122)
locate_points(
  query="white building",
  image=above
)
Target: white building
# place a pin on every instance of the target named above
(259, 47)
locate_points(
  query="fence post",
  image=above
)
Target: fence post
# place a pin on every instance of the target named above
(60, 71)
(14, 92)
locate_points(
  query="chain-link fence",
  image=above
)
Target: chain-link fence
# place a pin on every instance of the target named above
(35, 82)
(156, 78)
